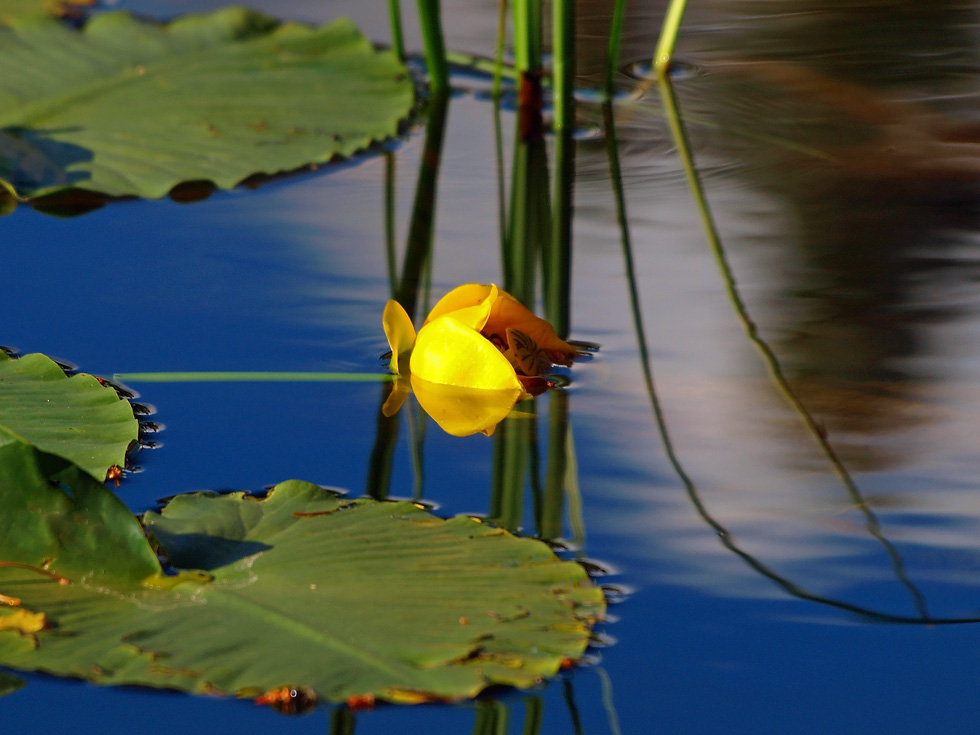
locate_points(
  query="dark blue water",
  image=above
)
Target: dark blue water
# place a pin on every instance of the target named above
(745, 586)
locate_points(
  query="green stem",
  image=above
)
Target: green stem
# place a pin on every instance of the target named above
(563, 64)
(612, 54)
(498, 63)
(557, 256)
(421, 227)
(271, 377)
(435, 47)
(397, 39)
(390, 221)
(481, 64)
(668, 36)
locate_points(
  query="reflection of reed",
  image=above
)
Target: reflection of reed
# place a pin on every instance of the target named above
(536, 238)
(768, 356)
(406, 290)
(772, 364)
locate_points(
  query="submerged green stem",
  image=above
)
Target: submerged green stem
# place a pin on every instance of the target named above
(271, 377)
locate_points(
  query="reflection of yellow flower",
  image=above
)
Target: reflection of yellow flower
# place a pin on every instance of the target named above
(479, 351)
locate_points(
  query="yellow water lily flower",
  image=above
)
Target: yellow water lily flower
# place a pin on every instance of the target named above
(478, 353)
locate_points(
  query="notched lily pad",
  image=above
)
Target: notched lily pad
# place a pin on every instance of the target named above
(10, 9)
(128, 107)
(75, 417)
(349, 599)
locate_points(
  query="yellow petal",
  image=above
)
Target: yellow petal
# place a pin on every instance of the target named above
(509, 313)
(400, 333)
(399, 392)
(452, 353)
(461, 411)
(469, 303)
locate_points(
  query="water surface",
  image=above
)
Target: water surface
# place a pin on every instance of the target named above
(769, 589)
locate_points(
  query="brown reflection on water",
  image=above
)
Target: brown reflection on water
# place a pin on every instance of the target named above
(859, 121)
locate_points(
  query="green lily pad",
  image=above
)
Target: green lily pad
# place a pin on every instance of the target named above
(345, 598)
(75, 417)
(131, 107)
(10, 9)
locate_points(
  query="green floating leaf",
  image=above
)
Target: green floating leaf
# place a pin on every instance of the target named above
(75, 417)
(10, 9)
(345, 598)
(56, 515)
(130, 107)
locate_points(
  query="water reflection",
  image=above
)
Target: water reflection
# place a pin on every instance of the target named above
(850, 118)
(873, 195)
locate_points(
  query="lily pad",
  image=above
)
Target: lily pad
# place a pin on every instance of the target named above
(75, 417)
(10, 9)
(345, 598)
(126, 106)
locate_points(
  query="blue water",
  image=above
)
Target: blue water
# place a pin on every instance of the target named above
(862, 280)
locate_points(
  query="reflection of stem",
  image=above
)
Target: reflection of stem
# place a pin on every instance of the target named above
(533, 715)
(342, 721)
(724, 536)
(576, 519)
(550, 524)
(418, 254)
(607, 700)
(390, 220)
(421, 227)
(383, 451)
(498, 139)
(573, 712)
(769, 357)
(511, 448)
(491, 718)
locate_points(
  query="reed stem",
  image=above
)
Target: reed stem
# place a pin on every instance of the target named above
(430, 19)
(498, 63)
(612, 53)
(397, 38)
(668, 37)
